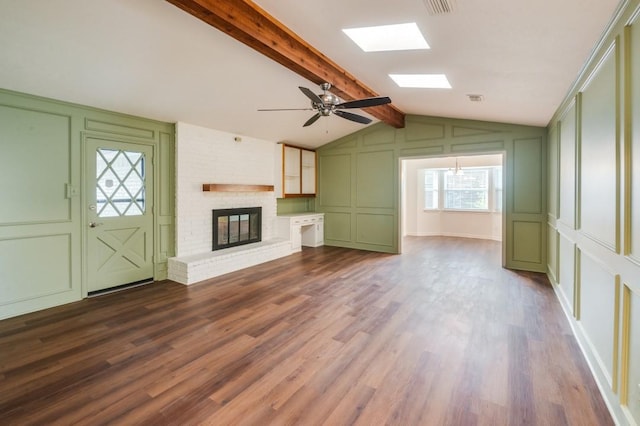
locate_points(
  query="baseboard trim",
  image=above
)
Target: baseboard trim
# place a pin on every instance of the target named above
(615, 409)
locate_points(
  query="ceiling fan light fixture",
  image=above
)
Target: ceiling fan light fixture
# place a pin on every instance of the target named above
(327, 103)
(388, 37)
(423, 81)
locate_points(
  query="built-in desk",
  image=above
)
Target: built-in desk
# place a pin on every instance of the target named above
(302, 229)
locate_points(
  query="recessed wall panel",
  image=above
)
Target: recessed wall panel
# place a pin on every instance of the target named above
(552, 172)
(419, 131)
(566, 271)
(166, 180)
(375, 229)
(552, 253)
(167, 242)
(633, 371)
(337, 227)
(478, 146)
(374, 187)
(20, 280)
(599, 155)
(634, 170)
(335, 180)
(118, 129)
(379, 137)
(597, 310)
(422, 151)
(527, 240)
(466, 131)
(527, 176)
(567, 176)
(36, 155)
(345, 143)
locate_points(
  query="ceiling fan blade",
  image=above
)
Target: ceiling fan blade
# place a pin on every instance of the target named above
(312, 120)
(353, 117)
(286, 109)
(309, 94)
(366, 102)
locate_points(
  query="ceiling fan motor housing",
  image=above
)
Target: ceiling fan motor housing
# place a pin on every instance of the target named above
(329, 101)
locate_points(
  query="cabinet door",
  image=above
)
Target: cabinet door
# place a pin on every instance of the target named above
(292, 170)
(319, 234)
(308, 172)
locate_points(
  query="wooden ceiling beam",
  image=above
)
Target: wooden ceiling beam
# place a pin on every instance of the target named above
(248, 23)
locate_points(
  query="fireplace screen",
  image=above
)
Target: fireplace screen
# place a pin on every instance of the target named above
(234, 227)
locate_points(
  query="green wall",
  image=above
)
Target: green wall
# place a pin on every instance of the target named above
(295, 205)
(594, 211)
(42, 230)
(359, 182)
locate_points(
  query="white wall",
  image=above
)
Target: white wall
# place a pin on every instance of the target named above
(420, 222)
(211, 156)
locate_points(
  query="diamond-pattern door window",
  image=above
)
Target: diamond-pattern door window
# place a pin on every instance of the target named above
(120, 187)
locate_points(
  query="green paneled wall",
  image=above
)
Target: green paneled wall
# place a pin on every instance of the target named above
(359, 182)
(295, 205)
(42, 225)
(594, 225)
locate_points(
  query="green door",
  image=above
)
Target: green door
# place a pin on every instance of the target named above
(119, 194)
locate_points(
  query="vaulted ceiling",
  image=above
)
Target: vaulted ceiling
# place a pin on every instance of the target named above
(152, 59)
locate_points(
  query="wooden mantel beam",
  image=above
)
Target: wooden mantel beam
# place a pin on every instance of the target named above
(248, 23)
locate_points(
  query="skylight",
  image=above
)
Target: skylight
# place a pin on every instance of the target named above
(388, 37)
(426, 81)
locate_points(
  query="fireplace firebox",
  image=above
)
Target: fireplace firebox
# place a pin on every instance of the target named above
(235, 227)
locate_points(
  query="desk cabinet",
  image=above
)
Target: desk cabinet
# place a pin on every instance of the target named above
(302, 229)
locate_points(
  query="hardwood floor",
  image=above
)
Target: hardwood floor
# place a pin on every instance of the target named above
(440, 335)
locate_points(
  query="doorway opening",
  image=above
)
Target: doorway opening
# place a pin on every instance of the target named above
(454, 196)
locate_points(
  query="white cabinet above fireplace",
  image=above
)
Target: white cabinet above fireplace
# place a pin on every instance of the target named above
(302, 229)
(295, 171)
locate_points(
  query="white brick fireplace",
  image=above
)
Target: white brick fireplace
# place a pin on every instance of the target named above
(211, 156)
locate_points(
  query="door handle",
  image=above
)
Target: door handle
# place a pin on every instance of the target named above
(94, 224)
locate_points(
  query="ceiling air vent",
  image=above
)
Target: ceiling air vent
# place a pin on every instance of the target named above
(439, 7)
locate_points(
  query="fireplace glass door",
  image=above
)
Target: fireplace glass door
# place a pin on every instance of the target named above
(234, 227)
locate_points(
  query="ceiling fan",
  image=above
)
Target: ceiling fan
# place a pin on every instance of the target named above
(327, 103)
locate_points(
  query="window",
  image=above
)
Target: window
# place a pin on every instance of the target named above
(475, 189)
(120, 186)
(467, 191)
(431, 189)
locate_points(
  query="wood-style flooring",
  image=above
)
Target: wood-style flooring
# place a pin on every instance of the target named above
(440, 335)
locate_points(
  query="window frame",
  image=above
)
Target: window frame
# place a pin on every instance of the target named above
(485, 171)
(492, 190)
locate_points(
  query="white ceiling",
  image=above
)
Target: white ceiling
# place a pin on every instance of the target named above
(148, 58)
